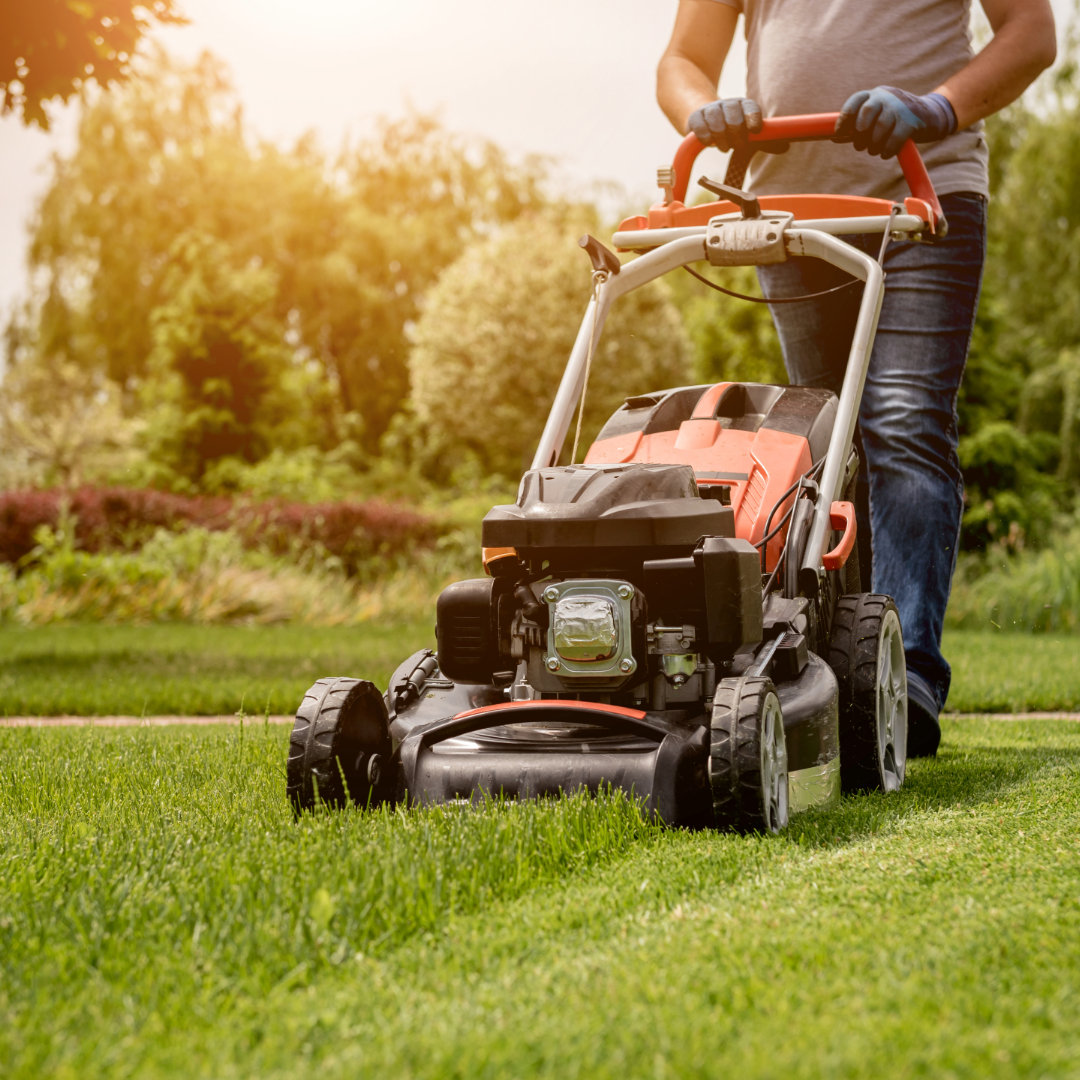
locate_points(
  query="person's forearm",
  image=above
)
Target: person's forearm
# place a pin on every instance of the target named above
(689, 70)
(682, 87)
(1024, 45)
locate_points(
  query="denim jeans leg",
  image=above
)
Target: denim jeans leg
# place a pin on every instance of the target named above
(908, 415)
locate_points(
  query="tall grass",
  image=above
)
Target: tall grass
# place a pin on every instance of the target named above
(1035, 591)
(180, 846)
(162, 915)
(210, 577)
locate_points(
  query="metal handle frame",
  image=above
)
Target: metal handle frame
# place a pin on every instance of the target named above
(799, 243)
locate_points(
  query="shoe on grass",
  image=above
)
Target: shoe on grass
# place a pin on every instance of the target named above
(923, 731)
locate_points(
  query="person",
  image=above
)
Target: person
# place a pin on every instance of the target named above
(895, 69)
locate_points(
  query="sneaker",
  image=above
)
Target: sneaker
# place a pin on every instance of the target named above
(923, 731)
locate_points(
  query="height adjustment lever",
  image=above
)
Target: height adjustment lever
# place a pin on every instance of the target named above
(746, 201)
(601, 257)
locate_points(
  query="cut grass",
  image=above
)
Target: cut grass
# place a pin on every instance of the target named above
(212, 671)
(161, 915)
(94, 670)
(1012, 672)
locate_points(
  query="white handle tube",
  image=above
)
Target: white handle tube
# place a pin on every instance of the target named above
(566, 397)
(632, 276)
(862, 266)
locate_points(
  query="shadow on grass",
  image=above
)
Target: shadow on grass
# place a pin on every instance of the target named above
(959, 778)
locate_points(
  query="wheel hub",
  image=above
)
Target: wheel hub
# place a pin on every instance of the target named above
(892, 703)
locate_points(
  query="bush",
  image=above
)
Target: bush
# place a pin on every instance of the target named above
(1036, 591)
(111, 519)
(197, 576)
(61, 423)
(496, 334)
(1011, 493)
(204, 576)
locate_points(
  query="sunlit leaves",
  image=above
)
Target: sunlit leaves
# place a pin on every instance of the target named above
(52, 48)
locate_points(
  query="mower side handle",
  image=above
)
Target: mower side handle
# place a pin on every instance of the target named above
(813, 127)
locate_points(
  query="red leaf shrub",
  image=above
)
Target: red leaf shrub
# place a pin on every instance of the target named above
(123, 518)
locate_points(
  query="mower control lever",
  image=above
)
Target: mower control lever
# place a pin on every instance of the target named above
(746, 201)
(601, 257)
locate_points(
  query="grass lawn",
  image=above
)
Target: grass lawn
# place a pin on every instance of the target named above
(208, 671)
(162, 915)
(1007, 672)
(98, 670)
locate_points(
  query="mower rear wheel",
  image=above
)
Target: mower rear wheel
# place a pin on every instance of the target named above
(866, 653)
(748, 770)
(340, 746)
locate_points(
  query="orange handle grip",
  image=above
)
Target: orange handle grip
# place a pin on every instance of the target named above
(809, 128)
(841, 516)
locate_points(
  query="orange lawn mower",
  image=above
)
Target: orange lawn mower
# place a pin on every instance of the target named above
(681, 616)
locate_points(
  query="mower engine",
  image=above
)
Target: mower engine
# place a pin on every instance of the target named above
(615, 581)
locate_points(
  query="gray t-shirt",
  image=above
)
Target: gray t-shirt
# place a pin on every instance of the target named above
(809, 56)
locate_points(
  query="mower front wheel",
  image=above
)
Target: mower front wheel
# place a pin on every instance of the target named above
(748, 770)
(866, 653)
(340, 749)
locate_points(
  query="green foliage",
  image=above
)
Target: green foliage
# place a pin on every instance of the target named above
(1019, 405)
(1033, 269)
(222, 382)
(496, 334)
(1036, 591)
(263, 571)
(53, 48)
(61, 424)
(163, 915)
(340, 252)
(1010, 488)
(732, 340)
(194, 576)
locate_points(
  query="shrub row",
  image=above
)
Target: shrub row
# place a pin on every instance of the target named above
(124, 518)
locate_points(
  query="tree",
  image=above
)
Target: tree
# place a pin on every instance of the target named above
(53, 48)
(1018, 411)
(496, 334)
(732, 339)
(224, 384)
(61, 424)
(352, 244)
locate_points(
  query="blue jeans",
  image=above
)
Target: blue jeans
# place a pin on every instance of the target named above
(911, 488)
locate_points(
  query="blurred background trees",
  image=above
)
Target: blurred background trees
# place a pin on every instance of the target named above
(338, 254)
(211, 312)
(1018, 403)
(497, 329)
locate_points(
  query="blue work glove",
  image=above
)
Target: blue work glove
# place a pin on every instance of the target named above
(883, 119)
(725, 124)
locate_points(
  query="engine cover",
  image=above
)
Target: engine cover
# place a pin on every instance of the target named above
(623, 509)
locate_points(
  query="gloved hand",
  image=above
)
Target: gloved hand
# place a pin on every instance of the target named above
(883, 119)
(725, 124)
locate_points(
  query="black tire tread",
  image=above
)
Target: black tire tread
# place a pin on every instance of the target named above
(315, 770)
(852, 655)
(735, 752)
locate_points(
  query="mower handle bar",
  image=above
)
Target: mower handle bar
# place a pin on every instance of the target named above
(813, 127)
(686, 249)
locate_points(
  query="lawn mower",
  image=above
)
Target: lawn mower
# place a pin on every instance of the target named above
(681, 615)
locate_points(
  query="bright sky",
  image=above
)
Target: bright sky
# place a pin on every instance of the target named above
(570, 78)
